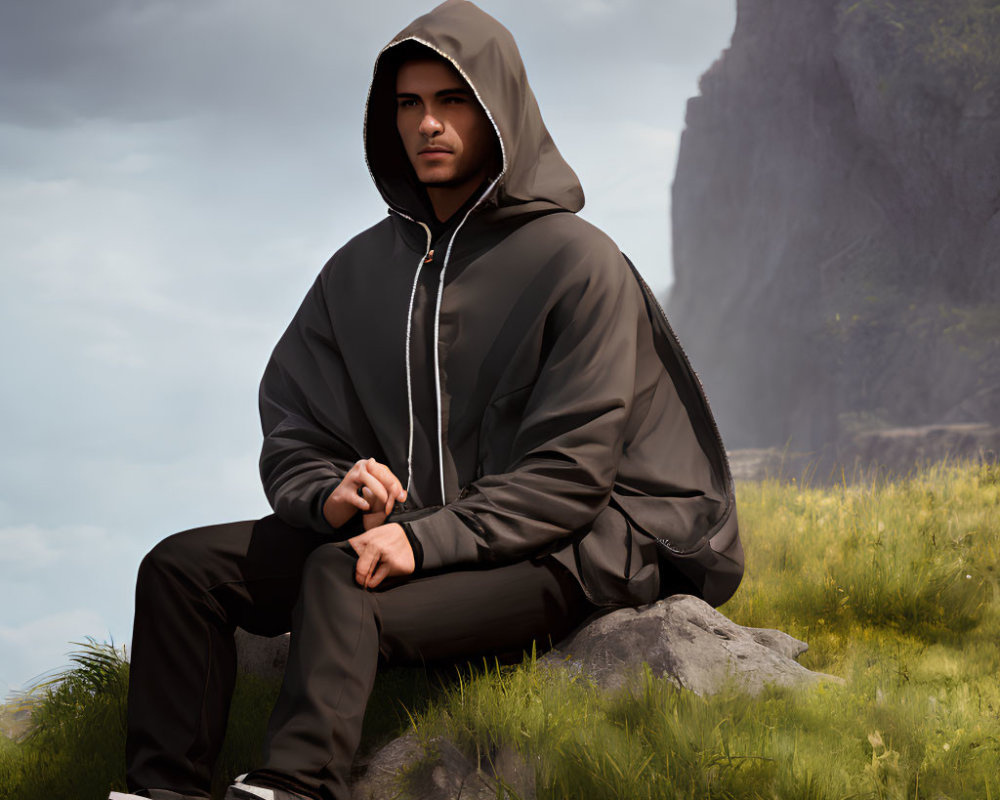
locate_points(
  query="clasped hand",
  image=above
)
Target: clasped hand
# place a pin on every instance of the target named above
(383, 550)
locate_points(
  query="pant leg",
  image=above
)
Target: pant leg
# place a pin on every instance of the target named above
(193, 589)
(496, 611)
(340, 629)
(315, 727)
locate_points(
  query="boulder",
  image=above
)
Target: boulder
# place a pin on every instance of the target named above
(437, 770)
(685, 640)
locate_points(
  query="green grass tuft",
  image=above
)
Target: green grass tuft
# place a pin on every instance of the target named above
(76, 740)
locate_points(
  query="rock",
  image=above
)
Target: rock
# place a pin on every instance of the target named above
(687, 641)
(836, 220)
(898, 451)
(879, 451)
(264, 656)
(405, 768)
(382, 775)
(761, 463)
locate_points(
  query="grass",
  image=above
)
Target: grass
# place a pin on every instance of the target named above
(77, 737)
(893, 584)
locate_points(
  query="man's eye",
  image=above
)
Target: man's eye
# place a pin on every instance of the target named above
(406, 103)
(455, 98)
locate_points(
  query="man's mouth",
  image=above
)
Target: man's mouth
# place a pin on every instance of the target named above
(434, 150)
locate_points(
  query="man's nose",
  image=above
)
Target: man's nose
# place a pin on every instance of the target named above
(430, 125)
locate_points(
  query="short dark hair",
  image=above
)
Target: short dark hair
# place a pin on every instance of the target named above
(410, 50)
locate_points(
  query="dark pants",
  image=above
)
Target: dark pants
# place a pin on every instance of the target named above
(194, 588)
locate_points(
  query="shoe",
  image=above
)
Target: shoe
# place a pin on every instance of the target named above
(248, 791)
(150, 794)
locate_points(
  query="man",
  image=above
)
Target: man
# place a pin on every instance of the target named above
(478, 429)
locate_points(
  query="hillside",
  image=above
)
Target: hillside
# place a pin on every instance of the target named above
(836, 215)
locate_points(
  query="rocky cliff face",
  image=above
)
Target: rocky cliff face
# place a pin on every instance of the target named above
(836, 215)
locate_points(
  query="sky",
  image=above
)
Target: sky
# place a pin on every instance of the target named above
(173, 175)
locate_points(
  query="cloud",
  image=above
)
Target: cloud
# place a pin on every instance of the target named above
(32, 547)
(42, 645)
(158, 60)
(154, 60)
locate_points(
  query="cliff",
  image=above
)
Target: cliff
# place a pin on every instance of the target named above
(836, 216)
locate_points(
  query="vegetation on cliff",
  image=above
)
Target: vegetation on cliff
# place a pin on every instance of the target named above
(956, 40)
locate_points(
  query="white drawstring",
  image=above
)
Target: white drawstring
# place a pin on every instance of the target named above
(409, 380)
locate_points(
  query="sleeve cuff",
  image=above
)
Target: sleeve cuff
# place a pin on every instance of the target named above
(352, 527)
(418, 550)
(444, 540)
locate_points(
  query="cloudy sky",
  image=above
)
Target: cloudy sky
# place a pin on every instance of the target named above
(172, 176)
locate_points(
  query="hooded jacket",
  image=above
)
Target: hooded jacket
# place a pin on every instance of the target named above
(511, 364)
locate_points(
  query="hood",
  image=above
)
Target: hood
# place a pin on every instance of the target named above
(486, 56)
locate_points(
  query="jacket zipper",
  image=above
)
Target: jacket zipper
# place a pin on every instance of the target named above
(426, 258)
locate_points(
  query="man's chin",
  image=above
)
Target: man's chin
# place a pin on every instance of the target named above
(443, 183)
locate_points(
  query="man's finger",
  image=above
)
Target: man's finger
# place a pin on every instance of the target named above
(356, 471)
(380, 574)
(364, 567)
(378, 496)
(389, 480)
(368, 559)
(372, 569)
(357, 499)
(378, 506)
(363, 549)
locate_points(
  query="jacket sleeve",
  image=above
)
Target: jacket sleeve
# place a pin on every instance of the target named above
(307, 446)
(569, 441)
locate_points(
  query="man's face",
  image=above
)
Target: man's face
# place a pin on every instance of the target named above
(447, 137)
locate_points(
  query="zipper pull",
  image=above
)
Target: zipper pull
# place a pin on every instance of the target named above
(430, 257)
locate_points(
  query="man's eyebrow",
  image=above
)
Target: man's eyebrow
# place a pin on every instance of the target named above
(442, 93)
